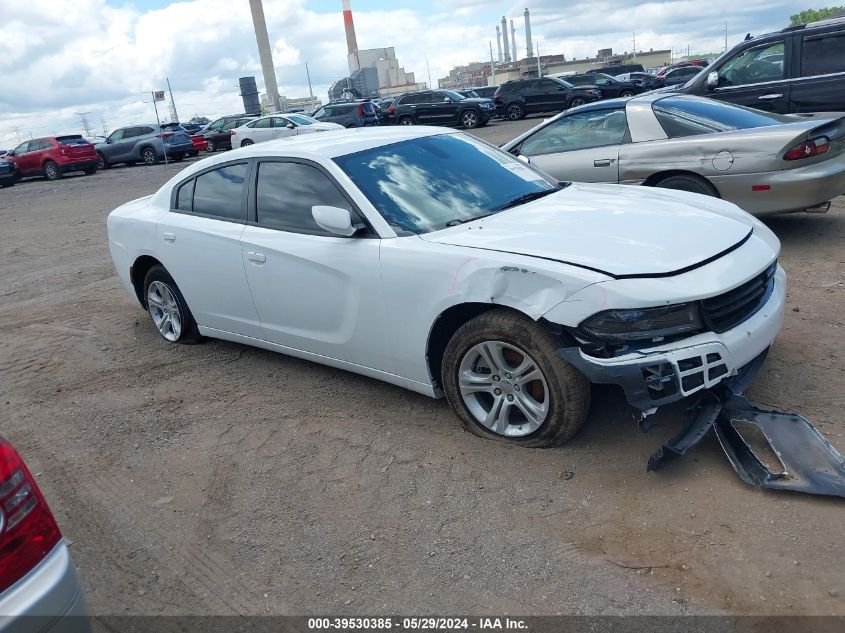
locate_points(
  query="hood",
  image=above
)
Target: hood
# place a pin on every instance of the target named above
(323, 125)
(478, 100)
(618, 230)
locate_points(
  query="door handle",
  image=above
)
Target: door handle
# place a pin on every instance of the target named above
(168, 237)
(771, 97)
(258, 258)
(605, 162)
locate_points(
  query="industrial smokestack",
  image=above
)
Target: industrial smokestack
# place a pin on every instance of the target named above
(513, 42)
(505, 40)
(528, 48)
(499, 43)
(351, 40)
(264, 52)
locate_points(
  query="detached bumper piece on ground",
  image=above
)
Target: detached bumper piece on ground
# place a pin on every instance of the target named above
(809, 463)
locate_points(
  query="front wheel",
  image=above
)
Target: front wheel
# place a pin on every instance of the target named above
(101, 161)
(168, 309)
(470, 120)
(626, 93)
(502, 377)
(149, 156)
(51, 171)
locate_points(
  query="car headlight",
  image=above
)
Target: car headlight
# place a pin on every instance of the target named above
(644, 324)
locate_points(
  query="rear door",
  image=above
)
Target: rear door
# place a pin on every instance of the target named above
(757, 77)
(425, 107)
(582, 147)
(261, 130)
(819, 71)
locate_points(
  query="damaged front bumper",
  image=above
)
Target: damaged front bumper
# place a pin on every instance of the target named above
(665, 373)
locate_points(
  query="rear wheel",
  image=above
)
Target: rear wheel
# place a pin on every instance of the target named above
(405, 120)
(168, 308)
(212, 147)
(51, 171)
(504, 380)
(577, 101)
(246, 143)
(149, 156)
(470, 120)
(688, 182)
(101, 161)
(515, 112)
(90, 171)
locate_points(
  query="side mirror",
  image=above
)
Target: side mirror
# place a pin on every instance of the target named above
(524, 159)
(447, 100)
(290, 126)
(713, 79)
(334, 220)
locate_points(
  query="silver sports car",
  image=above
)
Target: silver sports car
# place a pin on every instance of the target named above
(765, 163)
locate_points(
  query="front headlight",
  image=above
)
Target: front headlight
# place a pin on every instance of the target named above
(644, 324)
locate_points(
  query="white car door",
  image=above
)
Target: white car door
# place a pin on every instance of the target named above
(314, 291)
(283, 127)
(260, 130)
(581, 147)
(199, 244)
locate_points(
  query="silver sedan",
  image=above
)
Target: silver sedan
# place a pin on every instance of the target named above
(765, 163)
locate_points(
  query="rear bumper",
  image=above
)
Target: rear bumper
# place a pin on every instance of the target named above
(78, 165)
(662, 374)
(178, 147)
(789, 189)
(47, 599)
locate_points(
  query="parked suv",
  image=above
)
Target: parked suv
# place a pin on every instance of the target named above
(610, 87)
(53, 156)
(798, 69)
(442, 107)
(360, 113)
(515, 99)
(147, 143)
(220, 137)
(483, 92)
(615, 70)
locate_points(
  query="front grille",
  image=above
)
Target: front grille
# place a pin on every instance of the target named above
(728, 310)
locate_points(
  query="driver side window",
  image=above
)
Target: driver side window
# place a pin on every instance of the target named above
(582, 130)
(23, 148)
(756, 65)
(116, 136)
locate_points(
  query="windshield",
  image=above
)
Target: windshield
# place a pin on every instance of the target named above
(300, 119)
(568, 84)
(426, 184)
(688, 116)
(454, 96)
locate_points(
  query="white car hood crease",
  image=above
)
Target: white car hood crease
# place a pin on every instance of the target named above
(618, 230)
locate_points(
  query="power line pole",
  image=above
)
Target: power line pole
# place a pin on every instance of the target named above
(635, 46)
(105, 128)
(173, 113)
(492, 65)
(726, 36)
(308, 75)
(83, 116)
(539, 67)
(428, 68)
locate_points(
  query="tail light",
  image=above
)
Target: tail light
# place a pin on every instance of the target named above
(497, 94)
(28, 531)
(361, 109)
(231, 132)
(165, 134)
(391, 109)
(807, 149)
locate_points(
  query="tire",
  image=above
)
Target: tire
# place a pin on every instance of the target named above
(179, 157)
(405, 120)
(627, 93)
(577, 101)
(688, 182)
(90, 171)
(514, 340)
(51, 170)
(514, 112)
(470, 119)
(211, 147)
(351, 125)
(149, 156)
(247, 143)
(192, 154)
(168, 309)
(101, 161)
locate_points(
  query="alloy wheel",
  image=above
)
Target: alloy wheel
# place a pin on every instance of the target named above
(503, 388)
(246, 143)
(211, 147)
(469, 120)
(50, 170)
(577, 101)
(101, 161)
(514, 112)
(406, 121)
(164, 310)
(149, 156)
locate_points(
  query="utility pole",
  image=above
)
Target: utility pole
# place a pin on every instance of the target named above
(539, 67)
(83, 116)
(492, 64)
(173, 113)
(308, 74)
(635, 46)
(726, 37)
(105, 129)
(428, 68)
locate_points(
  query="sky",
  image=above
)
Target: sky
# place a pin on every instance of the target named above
(103, 57)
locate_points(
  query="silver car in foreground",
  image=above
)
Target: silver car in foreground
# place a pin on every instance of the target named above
(39, 586)
(765, 163)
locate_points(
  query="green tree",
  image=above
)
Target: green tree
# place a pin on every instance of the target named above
(814, 15)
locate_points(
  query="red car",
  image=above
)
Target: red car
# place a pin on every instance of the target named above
(200, 144)
(54, 156)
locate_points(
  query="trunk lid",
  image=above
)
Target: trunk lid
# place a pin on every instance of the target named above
(76, 147)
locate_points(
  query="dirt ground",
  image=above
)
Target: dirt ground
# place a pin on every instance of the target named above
(221, 479)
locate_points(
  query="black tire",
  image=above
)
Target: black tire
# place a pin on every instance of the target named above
(577, 101)
(514, 112)
(470, 119)
(179, 157)
(90, 171)
(349, 126)
(688, 182)
(568, 393)
(149, 156)
(189, 332)
(101, 161)
(192, 154)
(212, 147)
(247, 142)
(51, 170)
(405, 120)
(627, 93)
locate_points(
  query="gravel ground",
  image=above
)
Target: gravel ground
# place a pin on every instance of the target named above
(222, 479)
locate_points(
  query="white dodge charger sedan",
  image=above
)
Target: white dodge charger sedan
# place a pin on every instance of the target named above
(431, 260)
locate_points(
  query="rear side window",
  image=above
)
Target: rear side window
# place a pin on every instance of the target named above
(185, 196)
(287, 191)
(823, 54)
(368, 107)
(220, 192)
(682, 116)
